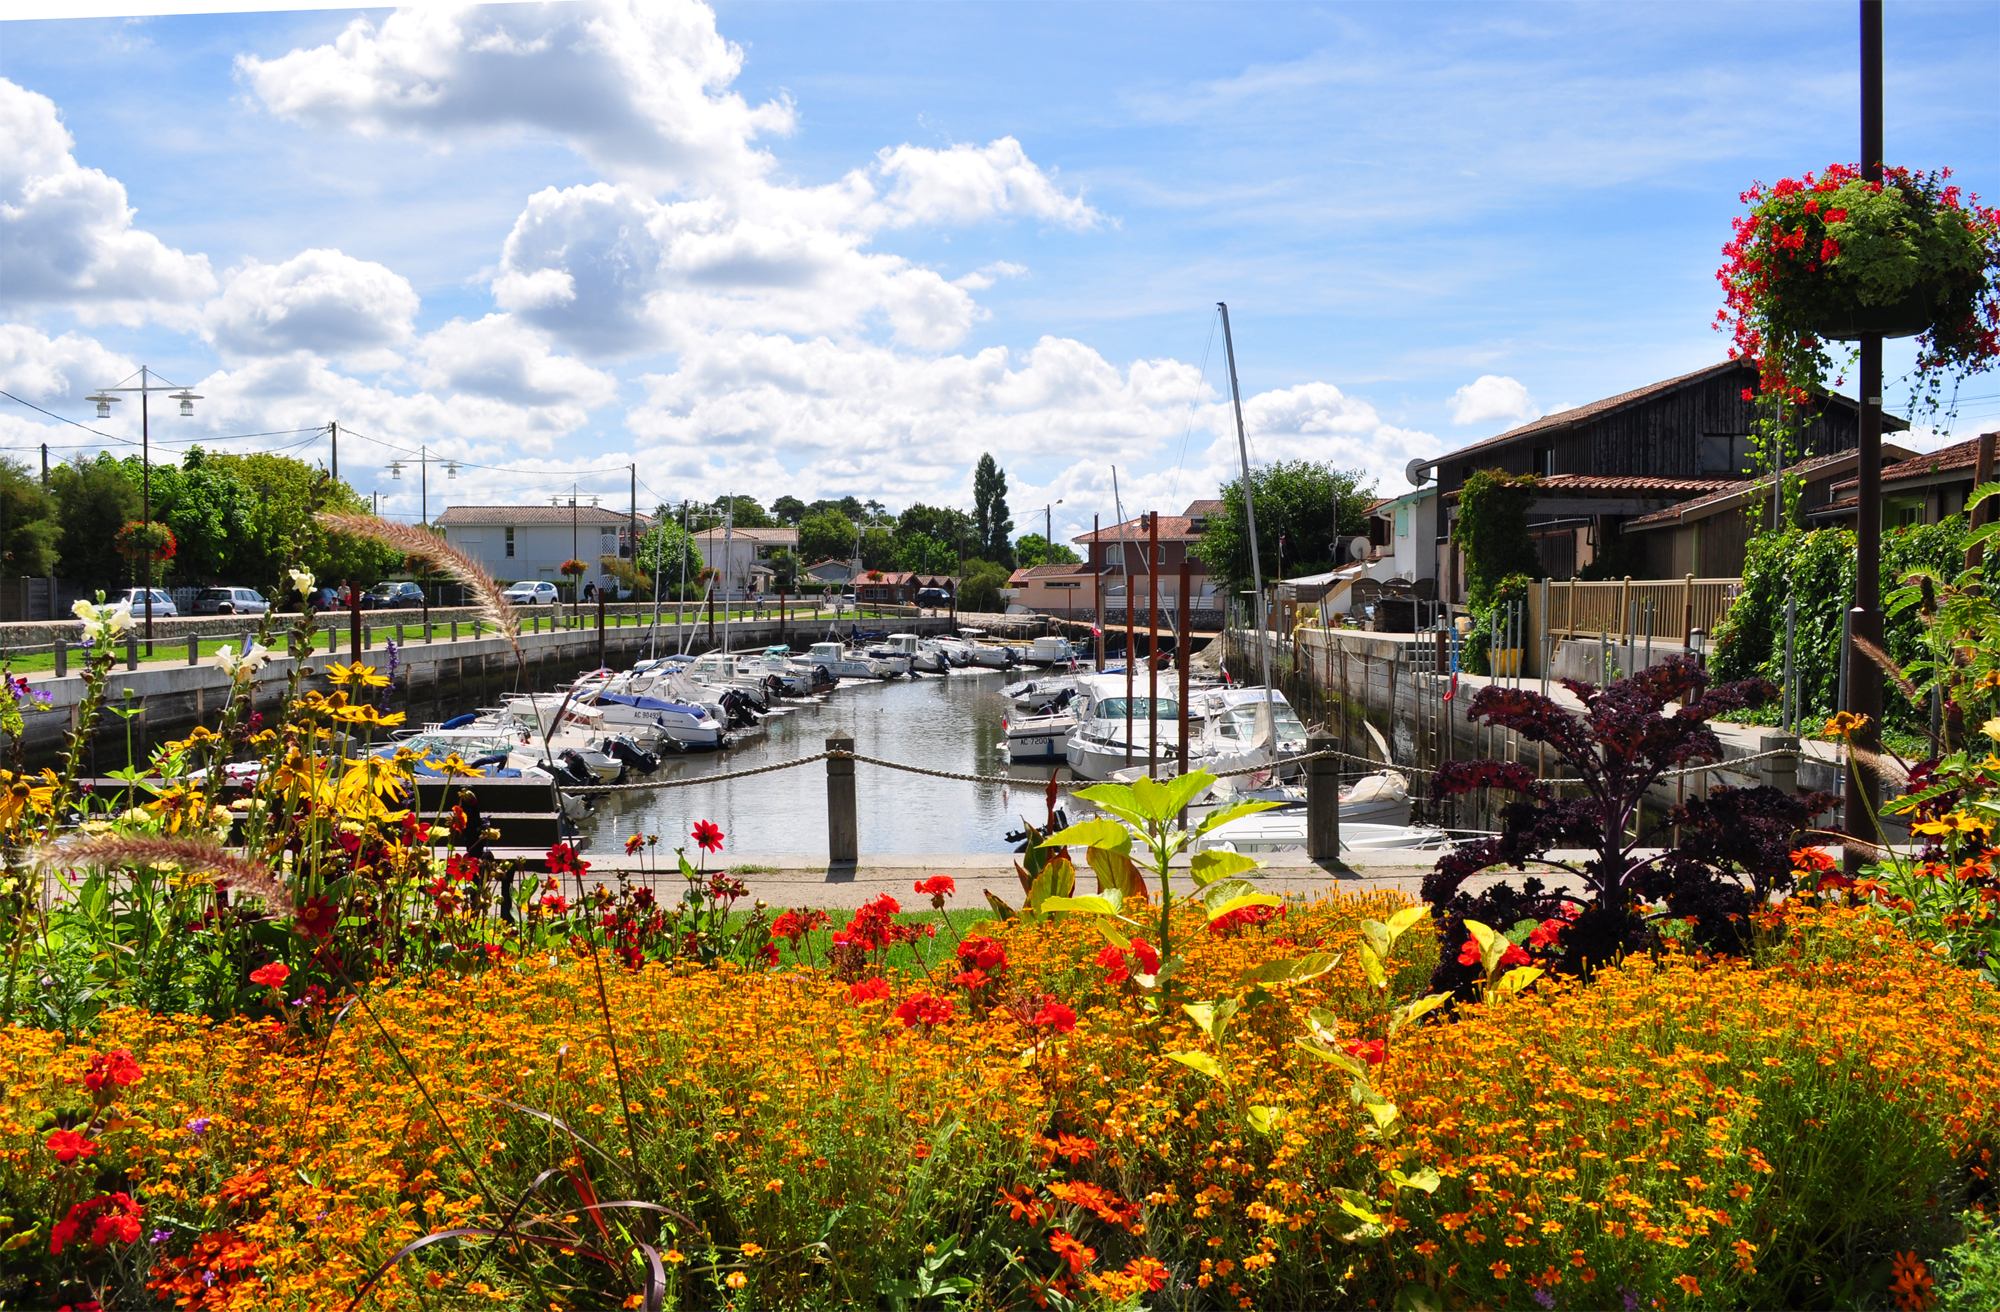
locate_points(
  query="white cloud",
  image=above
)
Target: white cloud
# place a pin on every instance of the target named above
(1489, 398)
(967, 184)
(639, 87)
(66, 235)
(320, 301)
(56, 372)
(607, 269)
(497, 358)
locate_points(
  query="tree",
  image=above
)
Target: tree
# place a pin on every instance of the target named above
(878, 548)
(788, 510)
(285, 495)
(29, 530)
(209, 511)
(826, 535)
(921, 553)
(94, 500)
(784, 568)
(674, 553)
(1305, 503)
(749, 513)
(980, 589)
(1033, 549)
(992, 529)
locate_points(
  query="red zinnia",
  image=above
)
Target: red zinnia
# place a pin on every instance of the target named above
(317, 917)
(272, 976)
(707, 836)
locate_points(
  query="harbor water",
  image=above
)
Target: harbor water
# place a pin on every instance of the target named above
(938, 722)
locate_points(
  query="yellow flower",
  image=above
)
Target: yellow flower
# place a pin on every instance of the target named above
(360, 673)
(1844, 725)
(1991, 728)
(736, 1280)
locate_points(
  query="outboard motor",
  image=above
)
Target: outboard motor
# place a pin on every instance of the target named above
(633, 756)
(823, 677)
(575, 769)
(485, 763)
(737, 706)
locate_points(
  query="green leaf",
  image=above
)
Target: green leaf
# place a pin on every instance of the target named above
(1000, 907)
(1200, 1061)
(1417, 1298)
(1222, 815)
(1408, 918)
(1112, 936)
(1413, 1011)
(1293, 970)
(1089, 904)
(1372, 966)
(1116, 871)
(1208, 867)
(1323, 1023)
(1376, 935)
(1519, 978)
(1425, 1179)
(1380, 1109)
(1093, 833)
(1217, 912)
(1356, 1210)
(1351, 1064)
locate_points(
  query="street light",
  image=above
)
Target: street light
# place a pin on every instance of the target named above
(423, 463)
(104, 397)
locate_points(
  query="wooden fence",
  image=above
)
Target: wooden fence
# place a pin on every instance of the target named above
(1621, 607)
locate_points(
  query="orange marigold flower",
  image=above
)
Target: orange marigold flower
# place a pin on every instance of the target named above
(1689, 1285)
(1072, 1250)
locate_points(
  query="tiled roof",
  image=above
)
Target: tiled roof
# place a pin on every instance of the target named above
(1623, 485)
(1960, 455)
(781, 537)
(1210, 506)
(464, 516)
(1732, 495)
(1049, 572)
(1173, 528)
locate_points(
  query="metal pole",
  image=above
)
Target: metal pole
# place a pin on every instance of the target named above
(1182, 650)
(659, 549)
(1125, 569)
(1790, 700)
(1250, 516)
(1153, 643)
(728, 531)
(146, 492)
(1096, 596)
(632, 530)
(333, 432)
(1864, 681)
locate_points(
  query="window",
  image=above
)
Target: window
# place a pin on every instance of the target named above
(1903, 513)
(1726, 455)
(510, 541)
(1545, 461)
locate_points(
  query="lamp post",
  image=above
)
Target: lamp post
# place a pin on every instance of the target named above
(423, 463)
(145, 389)
(1049, 529)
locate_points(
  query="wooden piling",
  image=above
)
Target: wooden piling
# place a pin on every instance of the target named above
(1322, 801)
(843, 836)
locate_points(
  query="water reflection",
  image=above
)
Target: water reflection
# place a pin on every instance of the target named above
(940, 723)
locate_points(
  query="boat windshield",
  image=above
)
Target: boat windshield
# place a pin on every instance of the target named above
(1241, 722)
(1113, 708)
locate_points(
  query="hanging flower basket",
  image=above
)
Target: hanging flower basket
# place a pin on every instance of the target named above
(574, 568)
(1833, 257)
(140, 540)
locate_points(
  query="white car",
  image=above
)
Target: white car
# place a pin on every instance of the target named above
(230, 601)
(163, 605)
(531, 593)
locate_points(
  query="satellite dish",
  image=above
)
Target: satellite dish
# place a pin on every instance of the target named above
(1418, 471)
(1358, 548)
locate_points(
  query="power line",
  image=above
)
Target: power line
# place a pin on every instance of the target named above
(473, 464)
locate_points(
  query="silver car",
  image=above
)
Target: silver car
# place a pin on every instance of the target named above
(163, 605)
(531, 592)
(230, 601)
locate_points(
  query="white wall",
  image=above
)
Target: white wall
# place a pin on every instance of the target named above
(539, 549)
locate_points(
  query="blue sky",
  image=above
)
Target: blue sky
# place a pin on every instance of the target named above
(844, 248)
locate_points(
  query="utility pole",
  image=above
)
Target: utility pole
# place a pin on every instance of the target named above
(632, 531)
(333, 432)
(1864, 680)
(45, 464)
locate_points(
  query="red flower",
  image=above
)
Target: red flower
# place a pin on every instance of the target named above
(1469, 954)
(1513, 956)
(1545, 934)
(795, 925)
(1811, 858)
(938, 886)
(634, 843)
(1113, 962)
(867, 990)
(68, 1146)
(317, 916)
(1076, 1147)
(1072, 1250)
(272, 976)
(707, 836)
(1148, 1271)
(982, 953)
(1372, 1051)
(1148, 958)
(926, 1010)
(113, 1216)
(116, 1068)
(563, 860)
(1056, 1016)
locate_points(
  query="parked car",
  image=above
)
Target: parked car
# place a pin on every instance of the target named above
(532, 592)
(230, 601)
(394, 596)
(937, 597)
(163, 605)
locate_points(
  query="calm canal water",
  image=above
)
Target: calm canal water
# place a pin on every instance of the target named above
(949, 722)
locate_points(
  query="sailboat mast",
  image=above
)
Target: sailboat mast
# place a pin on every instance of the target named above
(1125, 568)
(1250, 514)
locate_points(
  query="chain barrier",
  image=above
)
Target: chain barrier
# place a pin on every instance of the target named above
(581, 790)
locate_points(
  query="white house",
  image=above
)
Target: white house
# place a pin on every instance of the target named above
(739, 556)
(532, 542)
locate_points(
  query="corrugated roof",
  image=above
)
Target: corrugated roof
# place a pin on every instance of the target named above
(461, 516)
(1051, 572)
(1960, 455)
(1596, 409)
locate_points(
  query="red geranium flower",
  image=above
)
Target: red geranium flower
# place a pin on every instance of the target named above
(868, 990)
(926, 1010)
(1372, 1051)
(707, 836)
(68, 1146)
(116, 1068)
(272, 976)
(1513, 956)
(1468, 955)
(938, 886)
(1056, 1016)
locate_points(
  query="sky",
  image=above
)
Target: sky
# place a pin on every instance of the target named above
(844, 248)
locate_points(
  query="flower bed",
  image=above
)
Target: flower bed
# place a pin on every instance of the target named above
(1704, 1133)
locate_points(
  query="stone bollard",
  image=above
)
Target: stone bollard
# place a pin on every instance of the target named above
(62, 659)
(1322, 802)
(1781, 772)
(843, 838)
(132, 651)
(194, 649)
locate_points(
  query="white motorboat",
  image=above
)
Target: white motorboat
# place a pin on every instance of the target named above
(845, 664)
(1038, 738)
(888, 654)
(924, 656)
(956, 650)
(773, 667)
(1050, 649)
(488, 756)
(1099, 747)
(686, 723)
(719, 670)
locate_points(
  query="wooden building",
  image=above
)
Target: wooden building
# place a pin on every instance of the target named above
(1625, 457)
